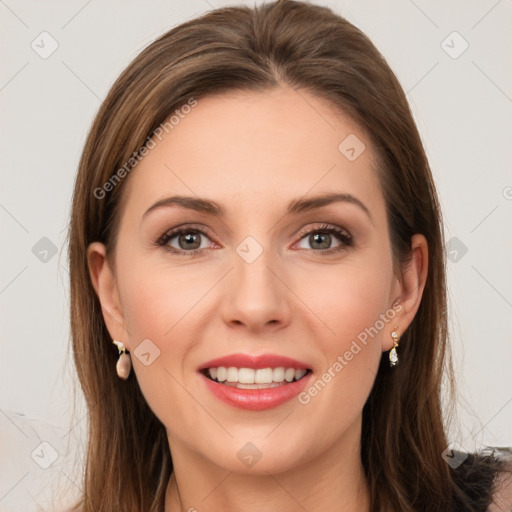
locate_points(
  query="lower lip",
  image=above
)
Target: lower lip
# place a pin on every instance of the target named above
(256, 399)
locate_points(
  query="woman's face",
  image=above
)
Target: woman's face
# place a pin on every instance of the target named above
(277, 274)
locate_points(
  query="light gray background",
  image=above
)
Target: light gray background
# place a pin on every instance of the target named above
(463, 109)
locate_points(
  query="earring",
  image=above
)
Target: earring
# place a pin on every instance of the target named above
(124, 363)
(393, 356)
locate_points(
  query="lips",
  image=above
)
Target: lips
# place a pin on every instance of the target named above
(255, 382)
(255, 362)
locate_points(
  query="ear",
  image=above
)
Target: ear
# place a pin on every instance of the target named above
(104, 283)
(408, 289)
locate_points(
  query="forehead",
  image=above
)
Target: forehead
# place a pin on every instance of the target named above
(257, 150)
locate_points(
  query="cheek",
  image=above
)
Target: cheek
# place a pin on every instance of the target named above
(351, 298)
(159, 305)
(356, 311)
(157, 301)
(163, 304)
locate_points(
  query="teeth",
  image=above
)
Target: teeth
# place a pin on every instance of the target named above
(232, 374)
(299, 374)
(277, 374)
(245, 375)
(221, 373)
(257, 386)
(263, 376)
(248, 378)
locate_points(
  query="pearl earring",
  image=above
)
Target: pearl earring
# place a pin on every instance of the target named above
(393, 356)
(124, 363)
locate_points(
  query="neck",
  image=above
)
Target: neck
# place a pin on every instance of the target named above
(333, 480)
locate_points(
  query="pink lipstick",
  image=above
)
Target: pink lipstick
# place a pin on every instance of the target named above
(255, 382)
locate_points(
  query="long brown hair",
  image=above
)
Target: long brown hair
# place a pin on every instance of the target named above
(309, 48)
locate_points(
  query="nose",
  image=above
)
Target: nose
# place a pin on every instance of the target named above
(256, 297)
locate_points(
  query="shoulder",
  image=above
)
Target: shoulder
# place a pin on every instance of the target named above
(484, 481)
(502, 491)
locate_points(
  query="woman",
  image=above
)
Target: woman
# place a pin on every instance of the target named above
(258, 296)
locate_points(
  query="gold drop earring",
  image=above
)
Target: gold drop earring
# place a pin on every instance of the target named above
(393, 356)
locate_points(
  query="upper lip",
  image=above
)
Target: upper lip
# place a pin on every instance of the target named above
(255, 361)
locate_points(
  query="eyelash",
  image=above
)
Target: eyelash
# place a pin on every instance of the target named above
(343, 236)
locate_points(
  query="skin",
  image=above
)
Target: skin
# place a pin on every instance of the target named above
(253, 152)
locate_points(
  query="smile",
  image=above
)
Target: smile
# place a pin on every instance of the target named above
(255, 382)
(249, 378)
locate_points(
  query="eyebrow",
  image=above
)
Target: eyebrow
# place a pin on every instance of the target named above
(296, 206)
